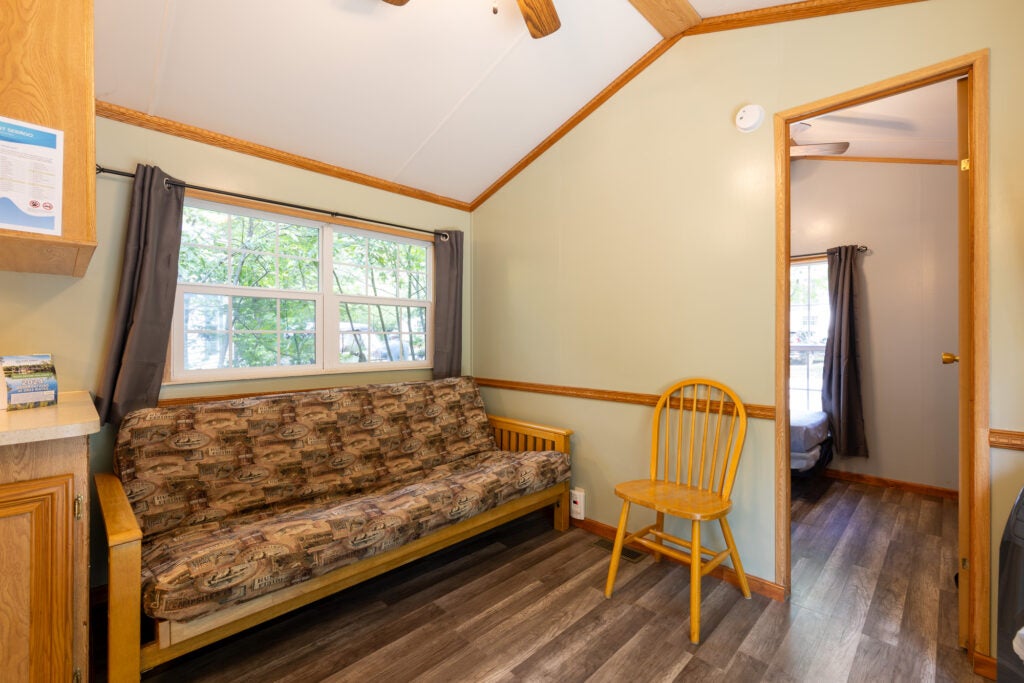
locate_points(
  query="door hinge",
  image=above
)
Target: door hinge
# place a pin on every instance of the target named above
(76, 677)
(965, 164)
(963, 563)
(77, 507)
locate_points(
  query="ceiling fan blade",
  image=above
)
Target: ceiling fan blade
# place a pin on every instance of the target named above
(396, 2)
(822, 149)
(540, 16)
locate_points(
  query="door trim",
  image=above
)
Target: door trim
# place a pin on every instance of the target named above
(975, 66)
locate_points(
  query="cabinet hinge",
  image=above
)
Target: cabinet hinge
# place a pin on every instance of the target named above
(76, 677)
(963, 563)
(965, 164)
(77, 507)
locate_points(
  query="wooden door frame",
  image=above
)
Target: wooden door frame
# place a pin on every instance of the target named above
(975, 66)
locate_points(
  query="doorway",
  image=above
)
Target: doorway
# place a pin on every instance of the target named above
(973, 460)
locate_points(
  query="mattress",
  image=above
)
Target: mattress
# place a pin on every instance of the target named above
(807, 431)
(803, 461)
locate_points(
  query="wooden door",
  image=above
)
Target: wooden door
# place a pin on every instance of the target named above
(36, 580)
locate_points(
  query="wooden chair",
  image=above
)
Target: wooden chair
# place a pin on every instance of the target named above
(697, 435)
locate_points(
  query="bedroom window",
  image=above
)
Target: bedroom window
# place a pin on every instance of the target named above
(808, 330)
(263, 295)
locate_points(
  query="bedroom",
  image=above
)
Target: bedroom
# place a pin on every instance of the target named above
(655, 184)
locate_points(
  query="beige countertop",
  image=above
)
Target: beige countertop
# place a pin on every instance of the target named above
(74, 415)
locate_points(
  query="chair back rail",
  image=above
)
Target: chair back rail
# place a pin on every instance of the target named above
(698, 431)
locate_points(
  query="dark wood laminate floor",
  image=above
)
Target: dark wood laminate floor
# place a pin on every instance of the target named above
(873, 600)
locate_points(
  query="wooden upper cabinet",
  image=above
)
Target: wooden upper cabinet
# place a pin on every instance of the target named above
(46, 79)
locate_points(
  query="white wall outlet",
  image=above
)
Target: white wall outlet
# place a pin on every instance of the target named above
(577, 502)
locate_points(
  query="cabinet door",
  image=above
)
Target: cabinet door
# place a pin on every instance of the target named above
(35, 579)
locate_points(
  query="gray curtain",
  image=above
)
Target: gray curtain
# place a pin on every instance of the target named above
(145, 299)
(448, 304)
(840, 392)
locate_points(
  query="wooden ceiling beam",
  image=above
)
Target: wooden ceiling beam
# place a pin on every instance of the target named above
(668, 17)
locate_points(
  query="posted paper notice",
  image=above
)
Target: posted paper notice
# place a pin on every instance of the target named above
(31, 177)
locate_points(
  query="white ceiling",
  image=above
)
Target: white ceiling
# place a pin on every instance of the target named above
(917, 124)
(438, 95)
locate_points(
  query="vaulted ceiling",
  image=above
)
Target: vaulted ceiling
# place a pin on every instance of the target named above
(439, 97)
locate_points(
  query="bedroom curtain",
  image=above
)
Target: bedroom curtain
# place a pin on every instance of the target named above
(145, 298)
(448, 304)
(840, 392)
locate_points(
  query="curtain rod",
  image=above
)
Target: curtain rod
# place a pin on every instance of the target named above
(333, 214)
(860, 249)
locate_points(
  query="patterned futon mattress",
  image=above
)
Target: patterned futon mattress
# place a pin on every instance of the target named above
(239, 498)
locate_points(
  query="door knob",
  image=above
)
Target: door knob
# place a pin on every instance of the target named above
(948, 358)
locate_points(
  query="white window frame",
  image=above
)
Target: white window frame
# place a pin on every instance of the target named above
(327, 304)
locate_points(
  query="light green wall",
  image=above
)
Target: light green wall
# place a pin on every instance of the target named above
(640, 248)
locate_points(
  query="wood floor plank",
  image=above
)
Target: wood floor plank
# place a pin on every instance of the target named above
(840, 638)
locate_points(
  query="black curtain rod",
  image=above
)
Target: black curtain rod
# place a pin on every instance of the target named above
(334, 214)
(860, 248)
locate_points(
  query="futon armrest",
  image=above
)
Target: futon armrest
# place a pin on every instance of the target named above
(124, 558)
(120, 522)
(519, 435)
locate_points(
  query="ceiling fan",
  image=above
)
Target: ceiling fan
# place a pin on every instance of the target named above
(540, 15)
(817, 149)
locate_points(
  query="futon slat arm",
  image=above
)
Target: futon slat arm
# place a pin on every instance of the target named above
(533, 436)
(124, 552)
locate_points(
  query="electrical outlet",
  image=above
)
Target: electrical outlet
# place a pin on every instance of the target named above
(577, 500)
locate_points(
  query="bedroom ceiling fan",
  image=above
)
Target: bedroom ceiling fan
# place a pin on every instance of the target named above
(814, 149)
(540, 15)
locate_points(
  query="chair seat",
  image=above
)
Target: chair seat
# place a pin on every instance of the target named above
(674, 499)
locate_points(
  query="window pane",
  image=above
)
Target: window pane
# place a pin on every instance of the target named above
(299, 274)
(298, 349)
(382, 283)
(253, 349)
(299, 240)
(353, 317)
(798, 362)
(818, 283)
(385, 347)
(298, 315)
(349, 280)
(253, 234)
(353, 348)
(254, 270)
(254, 313)
(206, 312)
(385, 318)
(816, 370)
(417, 318)
(413, 258)
(198, 264)
(383, 253)
(205, 351)
(204, 227)
(349, 249)
(419, 346)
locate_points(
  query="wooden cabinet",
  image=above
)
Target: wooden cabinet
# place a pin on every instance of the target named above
(44, 540)
(46, 78)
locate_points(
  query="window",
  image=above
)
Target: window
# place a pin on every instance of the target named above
(263, 294)
(808, 330)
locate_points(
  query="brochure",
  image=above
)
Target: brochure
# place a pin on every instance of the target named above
(28, 381)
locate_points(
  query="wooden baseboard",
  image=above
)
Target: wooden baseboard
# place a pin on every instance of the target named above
(984, 665)
(923, 489)
(758, 585)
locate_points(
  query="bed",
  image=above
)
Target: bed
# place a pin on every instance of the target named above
(810, 447)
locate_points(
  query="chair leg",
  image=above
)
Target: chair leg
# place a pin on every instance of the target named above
(661, 528)
(735, 555)
(620, 534)
(695, 583)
